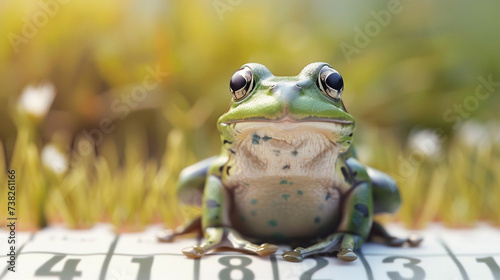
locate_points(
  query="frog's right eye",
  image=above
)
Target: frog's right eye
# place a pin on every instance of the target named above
(330, 83)
(241, 83)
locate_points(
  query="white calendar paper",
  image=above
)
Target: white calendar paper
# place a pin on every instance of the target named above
(99, 253)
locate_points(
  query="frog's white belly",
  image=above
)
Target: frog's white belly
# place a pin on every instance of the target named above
(285, 209)
(284, 182)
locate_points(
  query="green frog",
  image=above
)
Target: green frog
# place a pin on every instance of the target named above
(287, 173)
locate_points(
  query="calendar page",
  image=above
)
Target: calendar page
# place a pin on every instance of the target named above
(99, 253)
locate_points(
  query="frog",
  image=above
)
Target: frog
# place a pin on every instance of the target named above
(287, 173)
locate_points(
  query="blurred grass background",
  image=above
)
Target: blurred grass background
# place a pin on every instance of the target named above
(403, 85)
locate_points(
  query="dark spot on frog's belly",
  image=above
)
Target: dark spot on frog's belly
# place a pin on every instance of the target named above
(255, 139)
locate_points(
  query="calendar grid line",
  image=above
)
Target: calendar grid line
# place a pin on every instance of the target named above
(118, 246)
(107, 260)
(18, 253)
(121, 254)
(366, 265)
(197, 263)
(104, 254)
(432, 255)
(274, 265)
(459, 265)
(236, 254)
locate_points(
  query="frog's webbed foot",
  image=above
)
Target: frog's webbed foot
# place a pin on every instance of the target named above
(169, 235)
(343, 243)
(219, 237)
(379, 234)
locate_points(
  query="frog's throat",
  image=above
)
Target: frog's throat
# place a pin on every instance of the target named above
(298, 149)
(293, 133)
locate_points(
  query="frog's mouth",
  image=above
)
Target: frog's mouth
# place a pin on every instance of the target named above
(338, 132)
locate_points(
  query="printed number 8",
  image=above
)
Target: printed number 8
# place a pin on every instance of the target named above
(226, 272)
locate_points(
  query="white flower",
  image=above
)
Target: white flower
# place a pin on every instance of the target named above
(474, 134)
(426, 141)
(54, 159)
(36, 101)
(494, 129)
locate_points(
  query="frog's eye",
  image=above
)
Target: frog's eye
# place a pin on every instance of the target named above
(330, 83)
(241, 83)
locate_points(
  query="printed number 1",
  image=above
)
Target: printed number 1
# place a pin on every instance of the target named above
(490, 262)
(145, 265)
(67, 273)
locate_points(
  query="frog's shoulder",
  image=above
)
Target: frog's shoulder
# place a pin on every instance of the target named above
(192, 178)
(357, 172)
(351, 152)
(216, 167)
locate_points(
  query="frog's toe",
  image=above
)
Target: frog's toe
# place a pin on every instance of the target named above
(293, 256)
(414, 240)
(396, 242)
(166, 235)
(193, 252)
(379, 234)
(267, 249)
(347, 255)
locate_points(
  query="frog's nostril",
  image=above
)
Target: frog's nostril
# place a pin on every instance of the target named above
(286, 93)
(302, 84)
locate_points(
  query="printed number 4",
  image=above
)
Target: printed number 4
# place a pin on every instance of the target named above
(67, 273)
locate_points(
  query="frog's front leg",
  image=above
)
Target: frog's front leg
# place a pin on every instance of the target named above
(352, 231)
(217, 228)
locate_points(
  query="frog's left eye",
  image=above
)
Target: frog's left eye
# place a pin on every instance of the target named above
(241, 83)
(330, 83)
